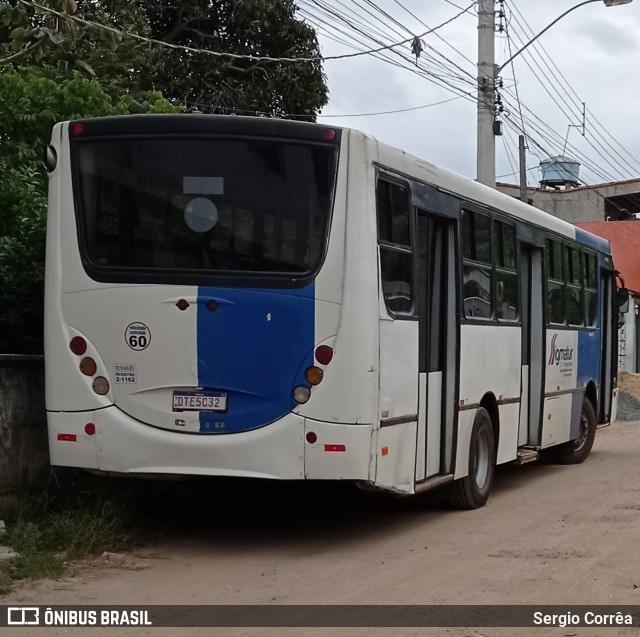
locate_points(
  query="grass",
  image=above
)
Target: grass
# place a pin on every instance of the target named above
(72, 517)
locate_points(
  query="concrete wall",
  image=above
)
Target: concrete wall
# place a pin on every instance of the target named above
(24, 451)
(573, 205)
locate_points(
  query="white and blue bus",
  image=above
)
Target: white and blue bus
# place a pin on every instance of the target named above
(233, 296)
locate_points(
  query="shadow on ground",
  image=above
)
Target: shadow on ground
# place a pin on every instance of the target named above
(241, 512)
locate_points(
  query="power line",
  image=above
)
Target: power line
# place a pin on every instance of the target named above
(548, 91)
(512, 163)
(384, 20)
(437, 34)
(419, 67)
(517, 172)
(235, 56)
(567, 84)
(592, 186)
(598, 139)
(399, 110)
(513, 68)
(453, 4)
(547, 134)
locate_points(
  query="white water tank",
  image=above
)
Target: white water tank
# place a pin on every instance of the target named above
(558, 172)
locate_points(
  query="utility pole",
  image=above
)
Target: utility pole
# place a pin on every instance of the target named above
(523, 169)
(487, 75)
(486, 159)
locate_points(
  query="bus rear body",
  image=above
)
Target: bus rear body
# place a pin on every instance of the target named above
(194, 259)
(249, 297)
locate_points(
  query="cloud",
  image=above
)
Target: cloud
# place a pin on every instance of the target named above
(594, 49)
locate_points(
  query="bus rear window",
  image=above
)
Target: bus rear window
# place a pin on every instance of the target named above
(203, 205)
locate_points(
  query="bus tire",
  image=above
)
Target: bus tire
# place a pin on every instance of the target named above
(577, 451)
(472, 491)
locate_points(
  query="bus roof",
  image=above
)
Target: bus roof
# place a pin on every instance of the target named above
(484, 195)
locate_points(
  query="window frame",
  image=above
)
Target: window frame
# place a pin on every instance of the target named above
(588, 290)
(504, 269)
(568, 281)
(494, 216)
(570, 284)
(130, 275)
(483, 266)
(407, 250)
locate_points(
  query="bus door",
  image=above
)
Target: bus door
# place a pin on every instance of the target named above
(438, 337)
(533, 346)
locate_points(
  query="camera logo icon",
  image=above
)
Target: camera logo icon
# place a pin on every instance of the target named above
(23, 616)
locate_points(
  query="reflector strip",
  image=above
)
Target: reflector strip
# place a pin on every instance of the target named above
(68, 437)
(335, 448)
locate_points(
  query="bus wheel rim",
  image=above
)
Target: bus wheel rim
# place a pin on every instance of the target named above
(483, 455)
(584, 432)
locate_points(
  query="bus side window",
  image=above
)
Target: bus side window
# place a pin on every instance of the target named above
(506, 272)
(392, 201)
(555, 283)
(590, 292)
(574, 278)
(477, 265)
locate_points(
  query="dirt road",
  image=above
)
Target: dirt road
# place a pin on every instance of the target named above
(549, 535)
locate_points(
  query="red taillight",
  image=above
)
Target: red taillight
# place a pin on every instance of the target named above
(329, 134)
(324, 354)
(78, 345)
(78, 128)
(67, 437)
(340, 448)
(182, 304)
(90, 429)
(212, 306)
(311, 437)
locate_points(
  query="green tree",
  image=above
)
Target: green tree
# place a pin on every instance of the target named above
(197, 80)
(66, 36)
(48, 59)
(32, 100)
(262, 28)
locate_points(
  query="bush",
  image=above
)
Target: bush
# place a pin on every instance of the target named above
(32, 100)
(22, 239)
(72, 517)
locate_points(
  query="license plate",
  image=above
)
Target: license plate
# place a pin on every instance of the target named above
(199, 401)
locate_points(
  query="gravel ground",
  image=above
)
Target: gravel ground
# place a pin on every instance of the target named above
(550, 534)
(628, 407)
(629, 399)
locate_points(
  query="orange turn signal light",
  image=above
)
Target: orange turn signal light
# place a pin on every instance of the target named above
(314, 375)
(88, 366)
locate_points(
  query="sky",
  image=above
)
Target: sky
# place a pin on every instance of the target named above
(591, 55)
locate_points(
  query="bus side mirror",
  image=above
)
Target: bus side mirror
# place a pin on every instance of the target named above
(622, 300)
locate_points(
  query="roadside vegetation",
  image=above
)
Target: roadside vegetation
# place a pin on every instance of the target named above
(74, 516)
(57, 63)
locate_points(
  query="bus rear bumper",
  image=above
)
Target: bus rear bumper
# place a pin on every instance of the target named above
(122, 444)
(280, 450)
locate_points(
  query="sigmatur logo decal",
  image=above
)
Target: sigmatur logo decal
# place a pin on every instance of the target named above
(559, 354)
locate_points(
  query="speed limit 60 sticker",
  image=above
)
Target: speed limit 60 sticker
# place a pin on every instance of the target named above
(137, 336)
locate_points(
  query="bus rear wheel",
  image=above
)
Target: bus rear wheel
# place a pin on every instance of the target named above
(577, 451)
(472, 491)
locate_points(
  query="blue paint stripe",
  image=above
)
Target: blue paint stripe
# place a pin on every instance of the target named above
(588, 356)
(256, 347)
